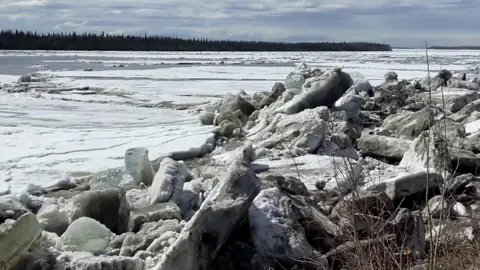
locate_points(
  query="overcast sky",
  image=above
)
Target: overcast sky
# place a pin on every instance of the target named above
(397, 22)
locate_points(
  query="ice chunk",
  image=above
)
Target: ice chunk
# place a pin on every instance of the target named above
(274, 232)
(206, 118)
(34, 188)
(168, 182)
(108, 206)
(473, 127)
(139, 166)
(16, 236)
(86, 234)
(112, 178)
(52, 219)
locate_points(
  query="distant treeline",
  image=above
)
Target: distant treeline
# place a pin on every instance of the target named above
(455, 47)
(20, 40)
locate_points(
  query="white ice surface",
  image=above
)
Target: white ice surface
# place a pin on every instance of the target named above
(8, 79)
(151, 91)
(44, 141)
(472, 127)
(397, 54)
(147, 62)
(372, 71)
(185, 73)
(245, 74)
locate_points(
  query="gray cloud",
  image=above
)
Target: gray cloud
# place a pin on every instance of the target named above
(400, 22)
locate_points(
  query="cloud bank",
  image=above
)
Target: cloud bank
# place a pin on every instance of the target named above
(399, 22)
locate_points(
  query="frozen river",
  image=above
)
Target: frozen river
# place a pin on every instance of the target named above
(50, 137)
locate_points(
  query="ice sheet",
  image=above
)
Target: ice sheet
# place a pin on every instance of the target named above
(151, 91)
(396, 54)
(185, 73)
(147, 62)
(7, 79)
(44, 141)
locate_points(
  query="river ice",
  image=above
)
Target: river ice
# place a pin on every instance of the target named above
(61, 135)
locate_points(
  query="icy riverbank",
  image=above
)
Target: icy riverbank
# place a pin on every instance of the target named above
(88, 106)
(271, 187)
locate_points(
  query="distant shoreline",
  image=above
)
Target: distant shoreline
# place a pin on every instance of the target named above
(455, 48)
(440, 48)
(21, 40)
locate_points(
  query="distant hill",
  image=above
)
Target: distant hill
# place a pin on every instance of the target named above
(455, 47)
(20, 40)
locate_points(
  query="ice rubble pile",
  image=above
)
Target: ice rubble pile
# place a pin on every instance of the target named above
(274, 185)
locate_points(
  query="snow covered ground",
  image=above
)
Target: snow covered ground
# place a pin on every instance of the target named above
(46, 139)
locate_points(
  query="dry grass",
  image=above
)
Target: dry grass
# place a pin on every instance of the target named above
(461, 256)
